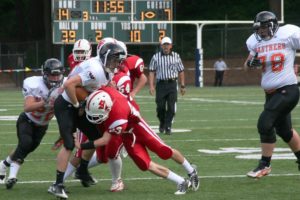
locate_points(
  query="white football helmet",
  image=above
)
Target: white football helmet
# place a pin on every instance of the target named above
(98, 106)
(105, 41)
(82, 50)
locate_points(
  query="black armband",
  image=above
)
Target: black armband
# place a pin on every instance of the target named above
(87, 145)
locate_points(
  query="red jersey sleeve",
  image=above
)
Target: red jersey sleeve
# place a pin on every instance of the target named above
(135, 65)
(71, 62)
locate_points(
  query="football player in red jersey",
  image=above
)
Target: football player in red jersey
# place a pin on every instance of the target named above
(133, 65)
(110, 154)
(118, 116)
(82, 51)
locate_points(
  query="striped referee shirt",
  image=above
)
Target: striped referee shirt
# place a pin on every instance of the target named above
(166, 66)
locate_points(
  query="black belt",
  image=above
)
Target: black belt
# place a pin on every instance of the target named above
(279, 90)
(167, 80)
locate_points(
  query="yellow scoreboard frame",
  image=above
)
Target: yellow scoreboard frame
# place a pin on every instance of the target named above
(96, 19)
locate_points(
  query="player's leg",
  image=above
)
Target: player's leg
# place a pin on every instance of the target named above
(113, 149)
(66, 116)
(29, 138)
(75, 161)
(156, 145)
(92, 133)
(191, 169)
(141, 158)
(290, 136)
(268, 139)
(171, 106)
(4, 164)
(161, 171)
(160, 100)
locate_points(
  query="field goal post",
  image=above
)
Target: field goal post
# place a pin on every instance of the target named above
(200, 24)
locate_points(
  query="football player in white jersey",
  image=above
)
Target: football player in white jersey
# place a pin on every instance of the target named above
(91, 75)
(40, 93)
(273, 49)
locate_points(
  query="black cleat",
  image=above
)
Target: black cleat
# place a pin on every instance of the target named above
(10, 183)
(168, 131)
(86, 179)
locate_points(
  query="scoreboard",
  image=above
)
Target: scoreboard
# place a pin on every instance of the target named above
(96, 19)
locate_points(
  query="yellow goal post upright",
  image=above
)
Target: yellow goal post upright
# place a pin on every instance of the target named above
(199, 25)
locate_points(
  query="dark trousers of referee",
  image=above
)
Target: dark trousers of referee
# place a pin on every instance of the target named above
(166, 98)
(219, 78)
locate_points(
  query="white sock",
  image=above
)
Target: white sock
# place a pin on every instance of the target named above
(70, 169)
(175, 177)
(13, 170)
(115, 166)
(187, 166)
(93, 161)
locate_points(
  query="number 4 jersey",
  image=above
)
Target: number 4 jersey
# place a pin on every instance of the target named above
(277, 56)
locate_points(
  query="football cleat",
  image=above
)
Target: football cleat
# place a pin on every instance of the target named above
(260, 171)
(182, 187)
(57, 144)
(2, 172)
(58, 190)
(86, 179)
(93, 180)
(194, 179)
(10, 183)
(117, 186)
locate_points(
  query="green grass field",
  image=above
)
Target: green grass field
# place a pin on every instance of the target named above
(208, 120)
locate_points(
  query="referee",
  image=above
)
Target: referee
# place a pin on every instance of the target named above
(166, 65)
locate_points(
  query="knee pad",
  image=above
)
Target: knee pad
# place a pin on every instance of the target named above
(142, 165)
(266, 131)
(268, 138)
(286, 136)
(69, 145)
(165, 153)
(19, 155)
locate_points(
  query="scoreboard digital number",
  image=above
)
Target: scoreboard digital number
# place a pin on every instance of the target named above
(95, 19)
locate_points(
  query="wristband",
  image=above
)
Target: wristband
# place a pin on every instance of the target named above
(87, 145)
(182, 86)
(76, 105)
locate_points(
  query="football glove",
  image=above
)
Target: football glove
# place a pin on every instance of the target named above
(254, 62)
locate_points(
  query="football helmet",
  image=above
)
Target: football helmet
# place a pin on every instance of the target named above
(103, 42)
(98, 106)
(123, 45)
(82, 50)
(52, 71)
(111, 55)
(265, 25)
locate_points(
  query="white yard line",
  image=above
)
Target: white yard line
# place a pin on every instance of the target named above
(157, 178)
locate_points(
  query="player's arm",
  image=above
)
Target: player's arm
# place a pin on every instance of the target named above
(252, 61)
(33, 104)
(182, 83)
(246, 61)
(151, 82)
(92, 144)
(70, 88)
(142, 80)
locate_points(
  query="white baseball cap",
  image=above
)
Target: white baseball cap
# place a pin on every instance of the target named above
(166, 40)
